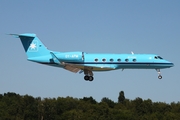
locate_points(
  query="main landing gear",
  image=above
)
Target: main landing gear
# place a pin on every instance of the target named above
(159, 73)
(88, 78)
(88, 75)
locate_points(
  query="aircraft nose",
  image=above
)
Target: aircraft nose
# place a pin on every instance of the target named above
(171, 64)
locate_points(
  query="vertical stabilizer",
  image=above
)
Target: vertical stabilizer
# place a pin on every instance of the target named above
(32, 45)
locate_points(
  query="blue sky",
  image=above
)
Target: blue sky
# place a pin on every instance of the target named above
(117, 26)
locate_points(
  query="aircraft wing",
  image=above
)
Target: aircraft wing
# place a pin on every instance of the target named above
(76, 67)
(66, 66)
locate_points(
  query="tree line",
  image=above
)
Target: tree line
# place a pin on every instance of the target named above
(25, 107)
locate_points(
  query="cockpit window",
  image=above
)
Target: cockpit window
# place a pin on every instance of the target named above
(158, 57)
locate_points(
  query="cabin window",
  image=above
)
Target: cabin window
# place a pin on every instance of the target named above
(103, 59)
(126, 60)
(134, 60)
(111, 60)
(96, 60)
(119, 60)
(155, 57)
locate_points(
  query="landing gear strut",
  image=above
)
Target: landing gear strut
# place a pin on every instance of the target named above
(159, 73)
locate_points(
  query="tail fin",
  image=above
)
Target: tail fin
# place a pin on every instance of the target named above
(32, 45)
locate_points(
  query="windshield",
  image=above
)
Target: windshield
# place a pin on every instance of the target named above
(158, 57)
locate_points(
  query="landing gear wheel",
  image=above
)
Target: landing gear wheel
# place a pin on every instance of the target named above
(159, 73)
(86, 78)
(91, 78)
(160, 77)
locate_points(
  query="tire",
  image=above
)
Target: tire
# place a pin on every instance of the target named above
(160, 77)
(91, 78)
(86, 78)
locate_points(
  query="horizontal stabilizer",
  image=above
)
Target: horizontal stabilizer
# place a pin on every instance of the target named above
(24, 35)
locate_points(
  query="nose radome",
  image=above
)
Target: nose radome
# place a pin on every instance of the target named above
(170, 64)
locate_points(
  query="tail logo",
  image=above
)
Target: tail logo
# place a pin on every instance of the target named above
(33, 46)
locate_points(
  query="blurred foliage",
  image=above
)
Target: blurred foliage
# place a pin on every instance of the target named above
(16, 107)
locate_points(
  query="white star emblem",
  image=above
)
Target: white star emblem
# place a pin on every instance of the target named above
(33, 46)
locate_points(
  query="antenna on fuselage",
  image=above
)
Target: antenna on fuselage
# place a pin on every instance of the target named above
(132, 52)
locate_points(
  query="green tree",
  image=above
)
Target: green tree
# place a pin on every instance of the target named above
(109, 102)
(121, 97)
(48, 109)
(89, 99)
(16, 107)
(30, 107)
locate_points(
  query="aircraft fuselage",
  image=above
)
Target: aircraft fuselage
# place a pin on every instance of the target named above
(106, 62)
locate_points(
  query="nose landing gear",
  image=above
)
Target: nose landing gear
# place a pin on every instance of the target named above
(159, 73)
(160, 77)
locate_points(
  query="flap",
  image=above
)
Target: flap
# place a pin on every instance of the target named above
(71, 68)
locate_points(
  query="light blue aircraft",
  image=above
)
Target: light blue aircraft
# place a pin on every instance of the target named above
(86, 62)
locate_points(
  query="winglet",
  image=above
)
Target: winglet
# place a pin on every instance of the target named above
(55, 59)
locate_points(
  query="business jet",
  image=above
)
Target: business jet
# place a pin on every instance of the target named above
(77, 61)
